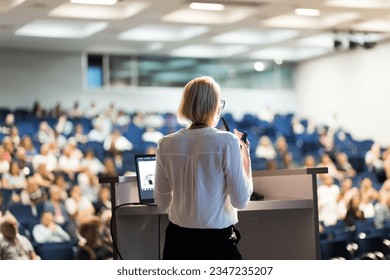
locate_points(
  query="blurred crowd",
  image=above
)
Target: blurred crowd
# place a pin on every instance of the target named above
(51, 161)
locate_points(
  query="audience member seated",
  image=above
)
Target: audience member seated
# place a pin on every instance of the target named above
(89, 184)
(367, 188)
(110, 169)
(374, 162)
(77, 205)
(93, 247)
(45, 133)
(29, 147)
(14, 178)
(92, 111)
(76, 112)
(44, 177)
(9, 148)
(385, 189)
(63, 184)
(326, 140)
(47, 157)
(281, 147)
(92, 162)
(57, 207)
(115, 145)
(122, 120)
(382, 211)
(32, 194)
(367, 205)
(22, 161)
(103, 202)
(9, 122)
(347, 192)
(4, 162)
(326, 161)
(265, 149)
(152, 135)
(353, 211)
(14, 136)
(344, 166)
(68, 163)
(327, 201)
(102, 127)
(48, 231)
(79, 134)
(152, 119)
(14, 246)
(64, 126)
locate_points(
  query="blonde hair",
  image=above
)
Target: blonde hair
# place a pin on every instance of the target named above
(200, 100)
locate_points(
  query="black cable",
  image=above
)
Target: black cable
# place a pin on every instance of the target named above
(112, 236)
(159, 236)
(112, 218)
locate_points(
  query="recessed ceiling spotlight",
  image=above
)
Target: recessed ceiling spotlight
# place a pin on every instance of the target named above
(207, 6)
(94, 2)
(278, 61)
(259, 66)
(307, 12)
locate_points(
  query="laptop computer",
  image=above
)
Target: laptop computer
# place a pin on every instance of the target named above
(145, 168)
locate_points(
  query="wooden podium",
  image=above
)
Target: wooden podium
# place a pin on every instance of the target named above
(282, 226)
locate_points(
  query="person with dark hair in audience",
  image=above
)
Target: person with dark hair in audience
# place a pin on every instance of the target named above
(37, 110)
(110, 169)
(14, 246)
(353, 211)
(93, 246)
(115, 145)
(103, 202)
(47, 231)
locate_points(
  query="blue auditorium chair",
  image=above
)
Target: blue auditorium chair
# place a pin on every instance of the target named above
(334, 249)
(55, 250)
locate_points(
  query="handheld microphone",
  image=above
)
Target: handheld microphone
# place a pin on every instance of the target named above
(244, 137)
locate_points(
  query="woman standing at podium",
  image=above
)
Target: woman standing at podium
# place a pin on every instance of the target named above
(203, 176)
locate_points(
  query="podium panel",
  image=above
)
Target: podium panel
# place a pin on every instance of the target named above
(282, 226)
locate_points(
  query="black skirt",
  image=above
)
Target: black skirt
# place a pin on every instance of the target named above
(201, 244)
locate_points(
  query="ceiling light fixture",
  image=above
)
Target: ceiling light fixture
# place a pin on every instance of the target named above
(207, 6)
(307, 12)
(259, 66)
(94, 2)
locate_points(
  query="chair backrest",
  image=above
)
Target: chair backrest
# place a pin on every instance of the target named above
(55, 250)
(6, 197)
(332, 249)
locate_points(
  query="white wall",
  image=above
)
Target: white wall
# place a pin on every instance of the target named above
(354, 85)
(57, 77)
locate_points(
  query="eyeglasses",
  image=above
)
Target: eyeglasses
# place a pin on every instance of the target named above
(222, 105)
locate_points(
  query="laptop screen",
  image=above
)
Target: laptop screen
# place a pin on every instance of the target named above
(145, 170)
